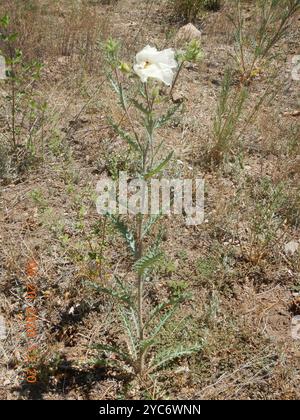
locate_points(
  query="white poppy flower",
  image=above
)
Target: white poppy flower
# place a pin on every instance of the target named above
(158, 65)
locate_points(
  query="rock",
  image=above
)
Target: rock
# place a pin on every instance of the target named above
(187, 33)
(2, 68)
(2, 328)
(291, 248)
(178, 97)
(296, 328)
(182, 369)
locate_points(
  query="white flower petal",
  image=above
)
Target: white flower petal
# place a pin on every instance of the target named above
(160, 72)
(140, 71)
(159, 65)
(167, 74)
(167, 57)
(147, 54)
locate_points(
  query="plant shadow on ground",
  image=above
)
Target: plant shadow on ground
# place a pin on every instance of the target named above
(68, 378)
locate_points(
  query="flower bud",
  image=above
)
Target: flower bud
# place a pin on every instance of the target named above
(112, 46)
(193, 52)
(124, 67)
(155, 92)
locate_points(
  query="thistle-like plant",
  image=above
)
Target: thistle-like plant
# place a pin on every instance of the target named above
(147, 107)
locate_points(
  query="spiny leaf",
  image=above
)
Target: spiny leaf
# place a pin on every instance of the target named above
(125, 136)
(164, 305)
(140, 106)
(167, 356)
(151, 222)
(122, 297)
(164, 320)
(158, 240)
(125, 232)
(114, 84)
(165, 118)
(174, 303)
(160, 167)
(119, 90)
(145, 344)
(129, 329)
(122, 285)
(148, 261)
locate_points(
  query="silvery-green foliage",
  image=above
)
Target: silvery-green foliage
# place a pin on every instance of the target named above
(146, 111)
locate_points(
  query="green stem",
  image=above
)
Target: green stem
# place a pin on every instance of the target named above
(140, 247)
(126, 110)
(140, 287)
(176, 78)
